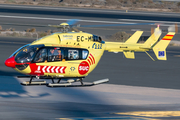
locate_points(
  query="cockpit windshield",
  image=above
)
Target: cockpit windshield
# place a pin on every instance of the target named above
(19, 50)
(27, 54)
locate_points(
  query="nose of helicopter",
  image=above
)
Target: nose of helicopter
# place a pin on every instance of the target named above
(10, 62)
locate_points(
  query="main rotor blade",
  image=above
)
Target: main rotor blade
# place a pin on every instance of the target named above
(111, 25)
(17, 24)
(72, 21)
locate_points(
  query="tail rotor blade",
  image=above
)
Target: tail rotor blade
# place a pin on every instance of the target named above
(173, 28)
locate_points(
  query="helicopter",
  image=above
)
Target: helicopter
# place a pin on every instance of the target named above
(71, 56)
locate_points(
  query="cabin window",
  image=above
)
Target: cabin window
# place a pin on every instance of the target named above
(84, 54)
(41, 56)
(73, 54)
(54, 54)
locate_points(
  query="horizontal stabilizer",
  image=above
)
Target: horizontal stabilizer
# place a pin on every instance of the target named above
(135, 37)
(129, 54)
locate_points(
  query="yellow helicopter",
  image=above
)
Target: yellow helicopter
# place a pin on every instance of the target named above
(73, 55)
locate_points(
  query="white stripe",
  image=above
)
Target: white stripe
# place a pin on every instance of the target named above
(39, 68)
(57, 70)
(61, 70)
(52, 69)
(44, 69)
(48, 69)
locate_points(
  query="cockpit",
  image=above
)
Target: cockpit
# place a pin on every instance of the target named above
(27, 54)
(39, 53)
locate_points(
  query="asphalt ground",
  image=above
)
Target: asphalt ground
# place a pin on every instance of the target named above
(138, 85)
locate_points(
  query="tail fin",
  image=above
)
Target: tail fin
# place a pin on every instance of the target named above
(135, 37)
(153, 38)
(160, 48)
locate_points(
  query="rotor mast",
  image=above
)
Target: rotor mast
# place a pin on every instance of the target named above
(64, 27)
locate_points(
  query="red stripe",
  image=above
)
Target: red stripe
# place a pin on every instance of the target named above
(49, 69)
(170, 35)
(63, 70)
(38, 69)
(59, 70)
(93, 58)
(166, 39)
(89, 61)
(53, 69)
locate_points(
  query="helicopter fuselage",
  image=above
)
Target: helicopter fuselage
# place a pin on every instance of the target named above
(76, 54)
(59, 55)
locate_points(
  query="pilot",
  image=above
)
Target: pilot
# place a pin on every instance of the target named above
(58, 57)
(51, 56)
(41, 56)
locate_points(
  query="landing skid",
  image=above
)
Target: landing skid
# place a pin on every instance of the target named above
(62, 84)
(82, 85)
(34, 83)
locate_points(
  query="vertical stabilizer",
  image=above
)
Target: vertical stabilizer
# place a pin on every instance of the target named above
(160, 48)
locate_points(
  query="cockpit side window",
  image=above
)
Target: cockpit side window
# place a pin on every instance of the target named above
(41, 55)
